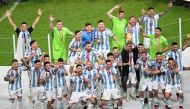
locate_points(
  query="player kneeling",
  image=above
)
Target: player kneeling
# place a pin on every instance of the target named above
(77, 84)
(173, 83)
(109, 76)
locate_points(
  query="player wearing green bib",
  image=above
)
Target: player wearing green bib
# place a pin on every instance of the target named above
(59, 39)
(158, 43)
(119, 24)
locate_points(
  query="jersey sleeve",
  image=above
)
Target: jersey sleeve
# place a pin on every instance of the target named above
(71, 44)
(110, 33)
(17, 31)
(30, 29)
(157, 16)
(165, 42)
(68, 32)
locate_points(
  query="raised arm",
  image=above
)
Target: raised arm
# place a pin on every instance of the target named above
(141, 18)
(37, 18)
(170, 4)
(187, 42)
(51, 18)
(8, 15)
(109, 13)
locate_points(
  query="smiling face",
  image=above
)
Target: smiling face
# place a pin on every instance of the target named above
(23, 27)
(88, 28)
(159, 58)
(157, 32)
(151, 13)
(108, 65)
(101, 26)
(37, 65)
(15, 65)
(171, 64)
(121, 15)
(59, 25)
(132, 21)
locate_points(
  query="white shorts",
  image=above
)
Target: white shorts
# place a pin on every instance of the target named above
(77, 96)
(61, 91)
(145, 83)
(176, 88)
(50, 95)
(104, 53)
(132, 77)
(156, 85)
(92, 92)
(38, 93)
(15, 93)
(109, 94)
(146, 43)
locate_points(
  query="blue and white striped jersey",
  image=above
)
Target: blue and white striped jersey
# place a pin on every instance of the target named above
(78, 83)
(151, 23)
(135, 31)
(36, 75)
(60, 77)
(89, 76)
(89, 56)
(104, 36)
(74, 45)
(16, 84)
(29, 52)
(142, 64)
(177, 57)
(117, 60)
(107, 77)
(49, 83)
(172, 78)
(159, 77)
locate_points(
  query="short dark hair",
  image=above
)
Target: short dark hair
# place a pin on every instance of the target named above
(121, 11)
(46, 55)
(36, 61)
(131, 17)
(174, 43)
(150, 8)
(100, 21)
(140, 44)
(77, 31)
(87, 24)
(158, 28)
(129, 43)
(144, 52)
(109, 54)
(23, 23)
(115, 48)
(158, 53)
(60, 60)
(171, 59)
(108, 61)
(88, 43)
(45, 63)
(14, 60)
(58, 21)
(78, 65)
(31, 42)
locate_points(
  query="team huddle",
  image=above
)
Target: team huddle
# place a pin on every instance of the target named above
(99, 71)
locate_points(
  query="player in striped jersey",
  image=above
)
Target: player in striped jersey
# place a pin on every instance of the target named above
(143, 65)
(101, 37)
(33, 53)
(49, 84)
(88, 54)
(77, 84)
(37, 82)
(159, 78)
(90, 75)
(132, 31)
(75, 47)
(60, 82)
(173, 83)
(109, 76)
(151, 22)
(13, 76)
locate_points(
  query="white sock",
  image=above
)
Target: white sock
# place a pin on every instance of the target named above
(19, 104)
(58, 103)
(11, 104)
(133, 92)
(119, 107)
(90, 105)
(115, 104)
